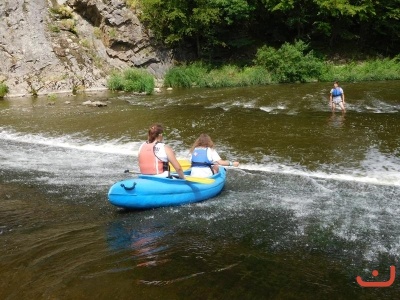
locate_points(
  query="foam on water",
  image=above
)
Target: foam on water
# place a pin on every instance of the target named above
(66, 160)
(376, 168)
(77, 142)
(374, 175)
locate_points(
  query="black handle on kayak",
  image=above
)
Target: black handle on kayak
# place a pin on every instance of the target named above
(128, 188)
(134, 172)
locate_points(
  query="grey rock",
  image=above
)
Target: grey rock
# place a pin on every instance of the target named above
(42, 51)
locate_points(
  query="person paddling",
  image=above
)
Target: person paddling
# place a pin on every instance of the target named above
(337, 97)
(154, 155)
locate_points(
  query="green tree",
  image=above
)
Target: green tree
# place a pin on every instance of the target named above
(202, 22)
(382, 30)
(220, 27)
(297, 14)
(335, 17)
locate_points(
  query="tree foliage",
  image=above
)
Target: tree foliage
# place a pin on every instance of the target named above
(290, 63)
(212, 26)
(205, 23)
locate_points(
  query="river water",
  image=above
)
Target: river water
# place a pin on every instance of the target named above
(314, 204)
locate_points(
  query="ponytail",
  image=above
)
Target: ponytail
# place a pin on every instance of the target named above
(154, 131)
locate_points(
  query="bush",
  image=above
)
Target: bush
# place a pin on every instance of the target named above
(3, 90)
(132, 80)
(290, 63)
(377, 69)
(187, 76)
(62, 12)
(201, 75)
(256, 76)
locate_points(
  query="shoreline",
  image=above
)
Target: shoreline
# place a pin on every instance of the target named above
(61, 92)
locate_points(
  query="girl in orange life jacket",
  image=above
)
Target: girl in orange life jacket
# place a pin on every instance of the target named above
(205, 159)
(154, 155)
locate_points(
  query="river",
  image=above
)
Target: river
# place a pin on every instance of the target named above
(314, 204)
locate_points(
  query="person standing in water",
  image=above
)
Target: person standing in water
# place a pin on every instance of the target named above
(337, 97)
(205, 160)
(154, 155)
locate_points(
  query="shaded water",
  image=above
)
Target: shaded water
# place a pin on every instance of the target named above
(314, 204)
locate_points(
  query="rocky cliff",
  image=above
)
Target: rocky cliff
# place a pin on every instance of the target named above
(49, 46)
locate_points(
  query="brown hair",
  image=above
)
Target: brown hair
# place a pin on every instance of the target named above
(203, 140)
(154, 131)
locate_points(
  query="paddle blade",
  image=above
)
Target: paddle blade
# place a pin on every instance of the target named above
(199, 179)
(185, 164)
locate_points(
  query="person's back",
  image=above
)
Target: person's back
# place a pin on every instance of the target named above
(337, 97)
(154, 156)
(202, 161)
(205, 159)
(152, 159)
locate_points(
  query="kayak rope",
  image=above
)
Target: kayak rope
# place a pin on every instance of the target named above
(128, 188)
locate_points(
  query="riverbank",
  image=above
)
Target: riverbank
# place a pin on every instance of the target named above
(200, 74)
(64, 93)
(286, 66)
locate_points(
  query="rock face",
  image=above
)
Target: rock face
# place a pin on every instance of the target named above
(49, 46)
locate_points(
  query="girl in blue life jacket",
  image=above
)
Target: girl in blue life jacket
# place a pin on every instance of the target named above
(337, 97)
(205, 159)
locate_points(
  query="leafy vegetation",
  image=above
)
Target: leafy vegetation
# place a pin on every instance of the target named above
(61, 12)
(271, 41)
(376, 69)
(3, 89)
(217, 28)
(202, 75)
(132, 80)
(207, 24)
(289, 63)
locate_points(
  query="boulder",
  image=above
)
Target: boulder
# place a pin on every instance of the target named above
(72, 45)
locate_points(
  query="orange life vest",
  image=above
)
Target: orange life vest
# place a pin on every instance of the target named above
(149, 163)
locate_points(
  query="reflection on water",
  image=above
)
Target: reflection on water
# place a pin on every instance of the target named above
(145, 244)
(337, 120)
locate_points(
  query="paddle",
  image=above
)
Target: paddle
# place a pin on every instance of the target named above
(199, 179)
(187, 178)
(185, 164)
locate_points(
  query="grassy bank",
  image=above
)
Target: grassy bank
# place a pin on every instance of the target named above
(290, 63)
(371, 70)
(203, 75)
(132, 80)
(198, 74)
(287, 64)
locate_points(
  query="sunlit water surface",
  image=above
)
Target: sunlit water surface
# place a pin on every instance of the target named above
(314, 203)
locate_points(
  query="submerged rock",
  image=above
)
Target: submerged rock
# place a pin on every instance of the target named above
(94, 103)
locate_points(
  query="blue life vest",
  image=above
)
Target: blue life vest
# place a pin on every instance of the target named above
(337, 92)
(200, 159)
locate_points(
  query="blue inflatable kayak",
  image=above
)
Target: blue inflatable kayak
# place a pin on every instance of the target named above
(147, 191)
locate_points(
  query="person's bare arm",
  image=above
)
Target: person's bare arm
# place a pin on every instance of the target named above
(172, 159)
(228, 163)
